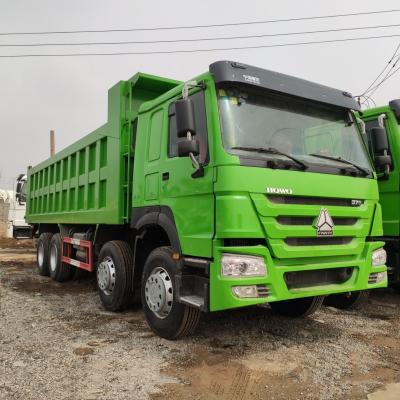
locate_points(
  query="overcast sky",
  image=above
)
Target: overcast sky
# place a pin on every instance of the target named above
(69, 95)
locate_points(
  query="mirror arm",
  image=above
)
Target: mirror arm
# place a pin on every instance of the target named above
(191, 84)
(362, 124)
(198, 167)
(381, 120)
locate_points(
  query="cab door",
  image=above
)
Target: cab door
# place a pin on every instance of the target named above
(388, 188)
(190, 200)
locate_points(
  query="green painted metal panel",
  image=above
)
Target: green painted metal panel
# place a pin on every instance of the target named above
(222, 298)
(90, 182)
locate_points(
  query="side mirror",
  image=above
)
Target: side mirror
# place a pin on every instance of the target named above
(379, 139)
(185, 122)
(186, 146)
(186, 128)
(383, 160)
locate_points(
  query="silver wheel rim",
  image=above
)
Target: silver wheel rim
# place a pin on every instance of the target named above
(159, 292)
(53, 257)
(106, 275)
(40, 254)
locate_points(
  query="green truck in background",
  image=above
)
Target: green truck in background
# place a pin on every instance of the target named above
(241, 187)
(383, 134)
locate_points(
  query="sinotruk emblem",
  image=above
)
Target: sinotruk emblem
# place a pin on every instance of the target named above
(324, 223)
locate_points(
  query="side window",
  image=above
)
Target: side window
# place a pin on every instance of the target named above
(201, 127)
(155, 135)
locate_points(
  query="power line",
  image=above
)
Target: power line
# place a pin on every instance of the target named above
(197, 50)
(200, 39)
(384, 69)
(200, 26)
(388, 75)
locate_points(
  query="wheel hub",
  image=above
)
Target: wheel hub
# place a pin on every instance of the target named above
(53, 257)
(40, 254)
(106, 275)
(159, 292)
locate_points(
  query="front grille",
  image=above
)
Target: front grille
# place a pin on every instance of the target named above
(244, 242)
(318, 241)
(310, 220)
(316, 201)
(303, 279)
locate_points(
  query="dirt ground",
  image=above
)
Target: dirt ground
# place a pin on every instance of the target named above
(57, 342)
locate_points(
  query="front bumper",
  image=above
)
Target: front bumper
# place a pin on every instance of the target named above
(222, 297)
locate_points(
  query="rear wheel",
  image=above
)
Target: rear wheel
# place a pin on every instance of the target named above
(114, 275)
(298, 307)
(166, 317)
(347, 301)
(59, 271)
(43, 253)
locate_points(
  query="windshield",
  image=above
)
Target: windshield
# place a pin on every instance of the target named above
(262, 125)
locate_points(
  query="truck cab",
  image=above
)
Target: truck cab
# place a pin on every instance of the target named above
(18, 228)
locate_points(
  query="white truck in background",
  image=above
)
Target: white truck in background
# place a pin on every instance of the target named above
(17, 227)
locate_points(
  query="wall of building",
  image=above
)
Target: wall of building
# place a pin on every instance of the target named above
(4, 207)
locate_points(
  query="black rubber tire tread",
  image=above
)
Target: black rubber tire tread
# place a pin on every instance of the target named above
(63, 272)
(44, 238)
(189, 323)
(182, 319)
(298, 308)
(342, 301)
(122, 256)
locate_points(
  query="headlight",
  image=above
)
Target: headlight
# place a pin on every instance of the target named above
(379, 257)
(237, 265)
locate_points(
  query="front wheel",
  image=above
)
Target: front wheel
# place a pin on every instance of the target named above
(347, 301)
(166, 317)
(114, 275)
(298, 307)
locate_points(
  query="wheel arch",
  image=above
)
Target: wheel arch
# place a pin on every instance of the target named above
(154, 227)
(161, 217)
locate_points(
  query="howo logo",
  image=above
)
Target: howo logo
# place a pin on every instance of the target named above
(273, 190)
(324, 223)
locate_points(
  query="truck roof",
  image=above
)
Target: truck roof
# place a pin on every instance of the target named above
(232, 71)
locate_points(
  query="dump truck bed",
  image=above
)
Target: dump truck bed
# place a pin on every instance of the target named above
(89, 182)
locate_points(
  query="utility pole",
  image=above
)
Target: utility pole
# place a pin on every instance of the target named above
(52, 143)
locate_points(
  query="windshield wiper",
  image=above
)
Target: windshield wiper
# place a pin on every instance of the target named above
(272, 150)
(344, 161)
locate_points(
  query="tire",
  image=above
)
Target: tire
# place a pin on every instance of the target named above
(59, 271)
(347, 301)
(167, 319)
(298, 307)
(114, 275)
(43, 254)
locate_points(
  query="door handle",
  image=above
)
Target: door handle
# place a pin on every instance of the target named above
(165, 176)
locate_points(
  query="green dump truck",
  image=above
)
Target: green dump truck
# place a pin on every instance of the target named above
(383, 134)
(241, 187)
